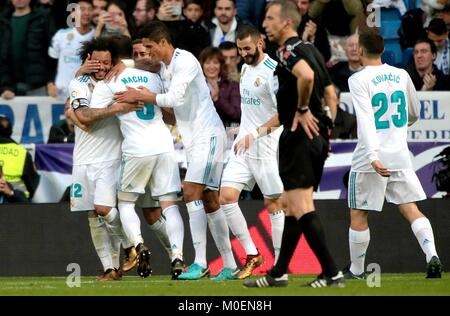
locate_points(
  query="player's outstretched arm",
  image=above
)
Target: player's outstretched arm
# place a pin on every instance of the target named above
(88, 115)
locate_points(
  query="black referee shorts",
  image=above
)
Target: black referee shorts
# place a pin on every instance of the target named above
(301, 160)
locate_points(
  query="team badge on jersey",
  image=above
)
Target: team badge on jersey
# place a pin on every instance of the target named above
(74, 94)
(257, 82)
(69, 36)
(91, 87)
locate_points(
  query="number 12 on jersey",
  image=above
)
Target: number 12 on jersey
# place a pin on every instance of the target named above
(381, 101)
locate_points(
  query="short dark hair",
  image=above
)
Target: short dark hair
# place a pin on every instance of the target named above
(121, 47)
(5, 126)
(234, 2)
(437, 26)
(247, 30)
(429, 42)
(156, 31)
(227, 45)
(152, 4)
(78, 1)
(101, 44)
(197, 2)
(137, 41)
(372, 43)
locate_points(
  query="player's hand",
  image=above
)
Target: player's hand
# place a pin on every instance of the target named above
(115, 72)
(244, 144)
(89, 66)
(128, 107)
(308, 122)
(8, 95)
(380, 169)
(130, 96)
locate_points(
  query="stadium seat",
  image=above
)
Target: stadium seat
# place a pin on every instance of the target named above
(407, 55)
(390, 23)
(388, 57)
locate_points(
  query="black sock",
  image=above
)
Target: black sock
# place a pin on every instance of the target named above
(291, 235)
(315, 236)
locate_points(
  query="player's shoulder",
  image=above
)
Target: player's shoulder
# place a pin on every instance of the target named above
(80, 81)
(63, 33)
(359, 75)
(269, 65)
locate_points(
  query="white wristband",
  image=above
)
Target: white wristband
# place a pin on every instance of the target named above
(129, 63)
(255, 133)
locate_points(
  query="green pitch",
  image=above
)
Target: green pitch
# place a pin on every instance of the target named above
(391, 284)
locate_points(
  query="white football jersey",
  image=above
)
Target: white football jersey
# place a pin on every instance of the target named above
(385, 103)
(102, 142)
(64, 47)
(144, 131)
(258, 105)
(188, 94)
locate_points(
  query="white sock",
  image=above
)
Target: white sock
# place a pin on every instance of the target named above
(116, 234)
(238, 226)
(198, 224)
(175, 230)
(359, 242)
(219, 230)
(277, 221)
(160, 230)
(101, 241)
(130, 222)
(424, 233)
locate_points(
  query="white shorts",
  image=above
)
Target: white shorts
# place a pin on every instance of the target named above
(94, 184)
(160, 172)
(242, 172)
(367, 190)
(205, 160)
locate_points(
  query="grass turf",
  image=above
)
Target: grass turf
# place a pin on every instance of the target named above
(391, 285)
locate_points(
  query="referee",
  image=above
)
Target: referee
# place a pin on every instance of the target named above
(303, 147)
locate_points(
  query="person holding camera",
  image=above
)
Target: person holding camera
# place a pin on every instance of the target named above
(7, 192)
(113, 21)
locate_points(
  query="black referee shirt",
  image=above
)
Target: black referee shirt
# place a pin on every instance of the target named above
(289, 55)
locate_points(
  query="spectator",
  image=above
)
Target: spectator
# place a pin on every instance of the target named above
(224, 24)
(64, 131)
(225, 93)
(32, 70)
(99, 8)
(423, 72)
(170, 10)
(345, 123)
(7, 192)
(444, 14)
(312, 31)
(232, 60)
(344, 69)
(251, 11)
(195, 32)
(18, 167)
(67, 42)
(144, 12)
(55, 8)
(438, 33)
(6, 86)
(113, 21)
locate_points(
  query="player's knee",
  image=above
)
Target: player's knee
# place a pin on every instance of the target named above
(152, 215)
(192, 193)
(226, 198)
(359, 220)
(102, 210)
(272, 205)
